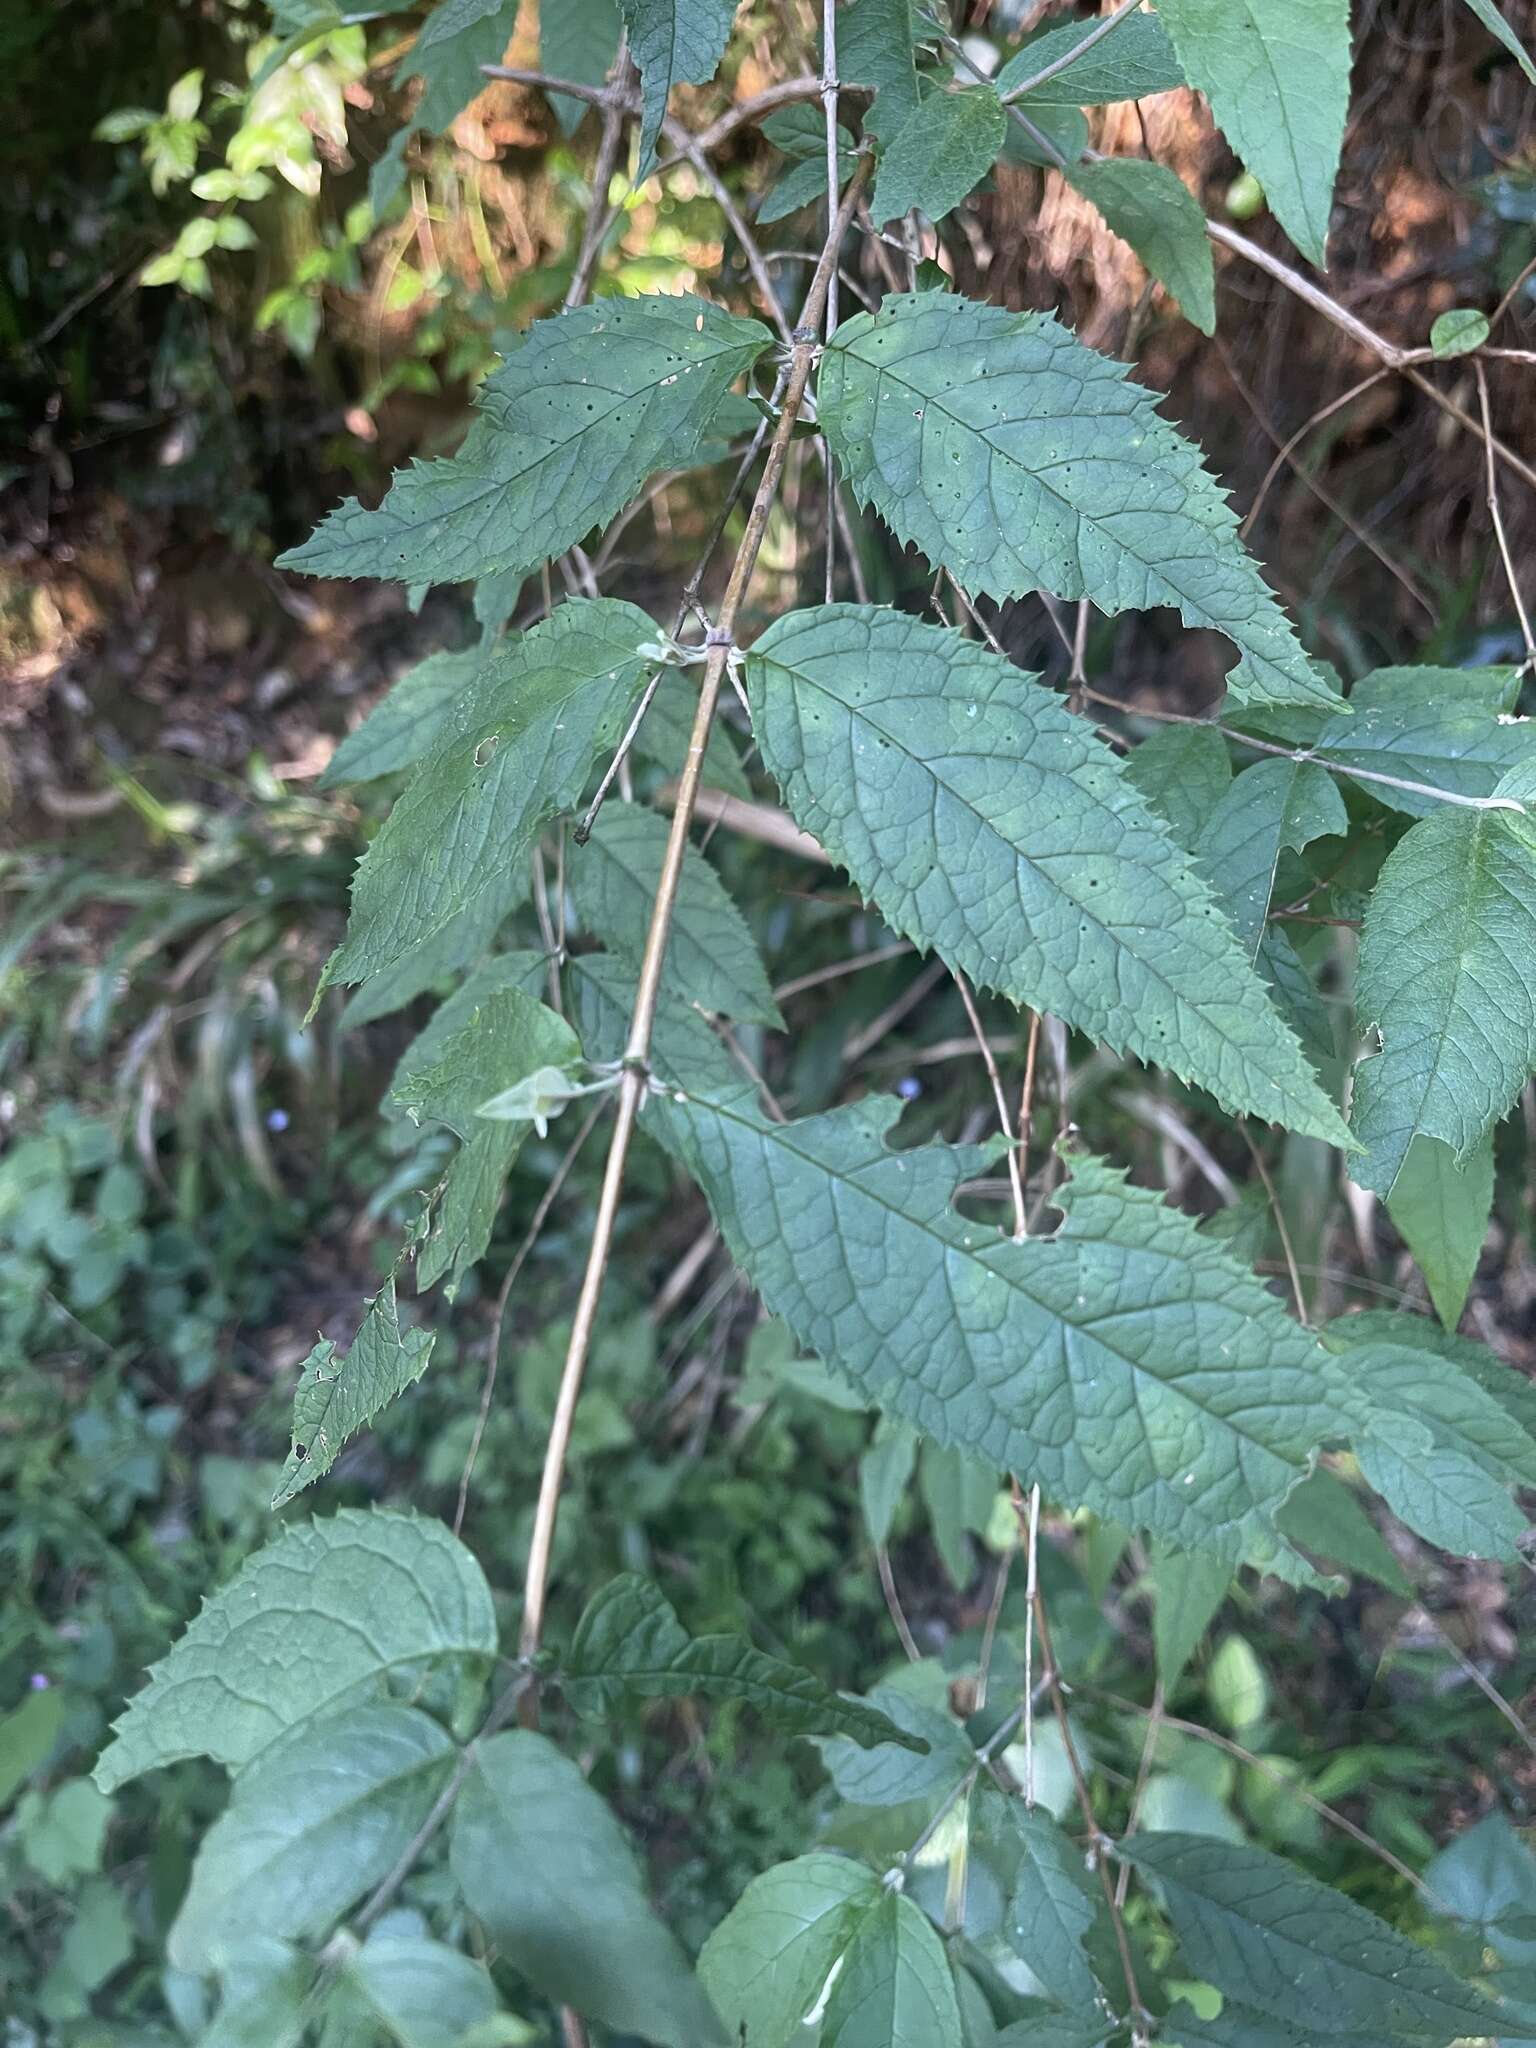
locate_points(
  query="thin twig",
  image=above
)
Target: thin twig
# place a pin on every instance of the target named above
(893, 1605)
(1139, 1790)
(838, 968)
(1498, 521)
(1281, 1226)
(617, 101)
(635, 1078)
(989, 1061)
(685, 145)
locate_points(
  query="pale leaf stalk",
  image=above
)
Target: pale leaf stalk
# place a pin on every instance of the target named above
(636, 1075)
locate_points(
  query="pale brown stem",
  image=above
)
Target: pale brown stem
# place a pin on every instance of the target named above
(617, 101)
(1498, 521)
(989, 1061)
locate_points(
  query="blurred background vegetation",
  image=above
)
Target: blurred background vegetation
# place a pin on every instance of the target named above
(228, 293)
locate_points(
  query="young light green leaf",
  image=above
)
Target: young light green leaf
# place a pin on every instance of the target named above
(1458, 332)
(446, 1076)
(1442, 1210)
(1133, 62)
(519, 748)
(1183, 771)
(455, 40)
(711, 956)
(987, 822)
(1152, 208)
(1187, 1593)
(674, 42)
(1276, 73)
(312, 1824)
(630, 1641)
(895, 1989)
(1072, 1360)
(400, 730)
(1020, 460)
(280, 1642)
(566, 432)
(1273, 807)
(885, 1470)
(767, 1963)
(578, 39)
(544, 1865)
(1447, 960)
(424, 1994)
(335, 1398)
(1492, 20)
(1267, 1935)
(940, 153)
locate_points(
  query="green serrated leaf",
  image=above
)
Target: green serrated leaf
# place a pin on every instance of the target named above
(711, 956)
(1054, 1908)
(1276, 73)
(1442, 1210)
(450, 950)
(674, 42)
(682, 1045)
(1273, 807)
(1324, 1515)
(668, 727)
(456, 39)
(400, 730)
(940, 153)
(1187, 1594)
(1072, 1360)
(895, 1989)
(519, 748)
(875, 49)
(565, 433)
(1445, 977)
(1267, 1935)
(630, 1641)
(312, 1825)
(888, 1775)
(1492, 20)
(280, 1642)
(501, 1040)
(546, 1868)
(1515, 1394)
(578, 39)
(987, 822)
(1183, 771)
(1444, 738)
(766, 1964)
(1020, 460)
(424, 1994)
(1132, 63)
(1152, 208)
(335, 1398)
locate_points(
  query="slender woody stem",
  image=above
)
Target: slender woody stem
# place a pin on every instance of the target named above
(636, 1075)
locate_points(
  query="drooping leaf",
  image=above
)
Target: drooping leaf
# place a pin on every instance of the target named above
(1273, 807)
(578, 39)
(674, 42)
(889, 1774)
(336, 1397)
(565, 433)
(1272, 1938)
(455, 40)
(940, 153)
(766, 1964)
(459, 1232)
(1151, 207)
(895, 1989)
(1447, 960)
(987, 822)
(1492, 20)
(630, 1641)
(958, 1492)
(1324, 1515)
(1127, 1364)
(711, 956)
(875, 50)
(1020, 460)
(884, 1472)
(1276, 73)
(1442, 1210)
(400, 730)
(1515, 1394)
(312, 1825)
(423, 1993)
(1187, 1593)
(519, 748)
(1183, 771)
(544, 1865)
(1133, 62)
(281, 1642)
(1053, 1909)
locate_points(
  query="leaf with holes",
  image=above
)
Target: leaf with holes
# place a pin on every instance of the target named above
(336, 1397)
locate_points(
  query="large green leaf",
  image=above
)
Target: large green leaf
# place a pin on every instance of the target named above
(894, 1989)
(1271, 808)
(674, 42)
(1020, 460)
(518, 748)
(711, 956)
(1127, 1364)
(1133, 62)
(1276, 73)
(1515, 1394)
(544, 1865)
(401, 728)
(336, 1397)
(1152, 208)
(578, 39)
(1447, 742)
(1442, 1210)
(282, 1640)
(767, 1962)
(312, 1824)
(630, 1641)
(1054, 1908)
(987, 822)
(1272, 1938)
(423, 1994)
(566, 432)
(940, 153)
(1448, 977)
(1239, 2026)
